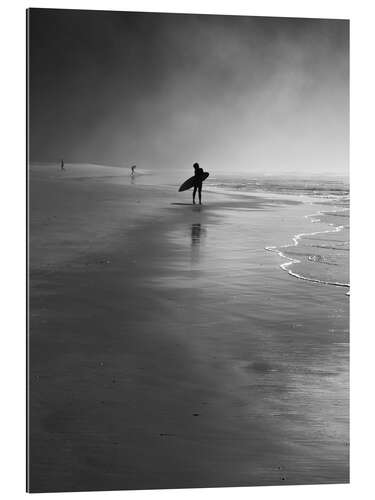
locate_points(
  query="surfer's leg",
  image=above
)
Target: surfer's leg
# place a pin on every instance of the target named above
(194, 193)
(200, 194)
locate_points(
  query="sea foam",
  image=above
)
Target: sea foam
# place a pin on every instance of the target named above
(290, 261)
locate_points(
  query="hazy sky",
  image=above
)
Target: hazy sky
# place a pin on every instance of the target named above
(237, 94)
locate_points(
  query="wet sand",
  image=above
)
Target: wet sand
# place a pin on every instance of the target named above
(168, 349)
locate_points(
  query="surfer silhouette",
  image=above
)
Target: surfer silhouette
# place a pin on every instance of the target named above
(62, 165)
(132, 170)
(198, 182)
(195, 182)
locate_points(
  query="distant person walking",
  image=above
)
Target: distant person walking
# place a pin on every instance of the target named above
(132, 170)
(62, 165)
(198, 182)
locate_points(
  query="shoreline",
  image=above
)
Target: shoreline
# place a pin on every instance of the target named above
(295, 239)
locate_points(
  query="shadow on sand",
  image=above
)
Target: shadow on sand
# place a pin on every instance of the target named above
(178, 203)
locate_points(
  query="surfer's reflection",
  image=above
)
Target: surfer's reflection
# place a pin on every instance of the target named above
(197, 233)
(196, 230)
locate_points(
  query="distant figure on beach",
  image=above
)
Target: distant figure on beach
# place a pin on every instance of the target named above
(132, 170)
(198, 173)
(62, 165)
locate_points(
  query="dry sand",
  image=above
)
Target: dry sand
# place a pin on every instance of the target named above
(168, 349)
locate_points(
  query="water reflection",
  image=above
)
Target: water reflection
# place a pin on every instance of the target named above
(197, 234)
(196, 230)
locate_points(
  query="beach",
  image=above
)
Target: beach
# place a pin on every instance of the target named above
(167, 347)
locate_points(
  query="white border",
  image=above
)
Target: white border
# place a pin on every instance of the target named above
(12, 248)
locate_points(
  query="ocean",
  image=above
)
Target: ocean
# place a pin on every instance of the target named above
(320, 253)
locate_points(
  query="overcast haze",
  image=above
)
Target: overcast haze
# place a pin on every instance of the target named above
(237, 94)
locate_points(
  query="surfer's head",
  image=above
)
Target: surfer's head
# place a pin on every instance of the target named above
(196, 166)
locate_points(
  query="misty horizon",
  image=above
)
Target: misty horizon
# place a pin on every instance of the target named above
(237, 94)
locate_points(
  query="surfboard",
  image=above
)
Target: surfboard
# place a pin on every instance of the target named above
(190, 182)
